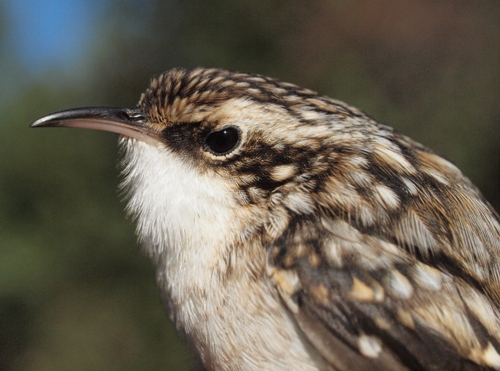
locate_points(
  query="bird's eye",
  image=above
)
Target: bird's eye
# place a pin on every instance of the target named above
(222, 141)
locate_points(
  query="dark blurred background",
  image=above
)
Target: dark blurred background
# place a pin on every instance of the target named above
(76, 293)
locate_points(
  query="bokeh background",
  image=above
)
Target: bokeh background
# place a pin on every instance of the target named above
(76, 293)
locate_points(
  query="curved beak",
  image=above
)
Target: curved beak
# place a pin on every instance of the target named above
(129, 122)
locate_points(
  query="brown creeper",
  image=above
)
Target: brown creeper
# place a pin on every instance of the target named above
(291, 231)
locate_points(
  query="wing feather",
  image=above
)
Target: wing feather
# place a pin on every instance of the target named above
(396, 258)
(369, 304)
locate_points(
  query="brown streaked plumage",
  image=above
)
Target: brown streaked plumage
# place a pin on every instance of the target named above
(292, 231)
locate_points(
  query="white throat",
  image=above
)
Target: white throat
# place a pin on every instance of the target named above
(174, 203)
(184, 219)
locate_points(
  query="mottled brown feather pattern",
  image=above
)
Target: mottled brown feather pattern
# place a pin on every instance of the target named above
(322, 240)
(385, 253)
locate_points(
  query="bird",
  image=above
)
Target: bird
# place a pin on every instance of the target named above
(292, 231)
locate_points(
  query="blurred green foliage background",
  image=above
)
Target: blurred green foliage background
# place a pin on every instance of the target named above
(76, 293)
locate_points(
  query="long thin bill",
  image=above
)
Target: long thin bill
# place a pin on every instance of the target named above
(129, 122)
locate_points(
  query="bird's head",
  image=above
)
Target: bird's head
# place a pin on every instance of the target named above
(220, 154)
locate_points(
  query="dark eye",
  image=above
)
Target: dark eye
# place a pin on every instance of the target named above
(223, 141)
